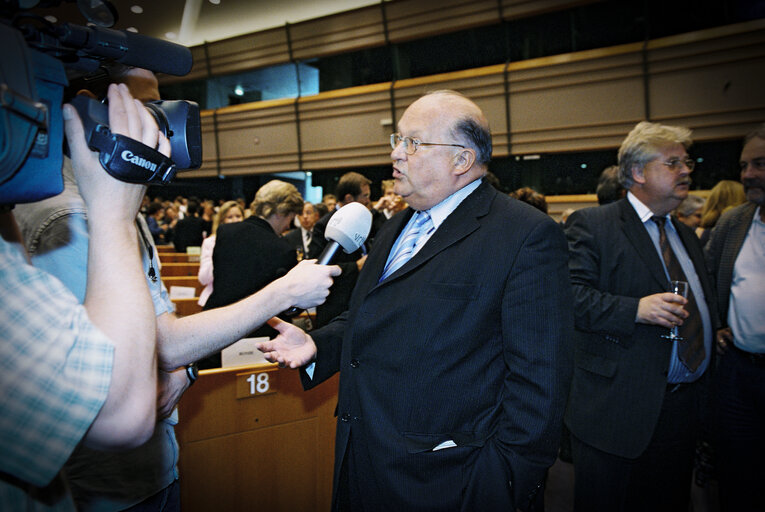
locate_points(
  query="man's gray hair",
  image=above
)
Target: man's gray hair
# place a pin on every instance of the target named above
(474, 132)
(643, 144)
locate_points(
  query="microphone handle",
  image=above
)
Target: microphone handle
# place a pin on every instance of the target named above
(324, 258)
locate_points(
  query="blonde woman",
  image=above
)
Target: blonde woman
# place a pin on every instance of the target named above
(250, 254)
(726, 194)
(230, 212)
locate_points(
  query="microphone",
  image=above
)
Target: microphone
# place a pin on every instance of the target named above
(348, 228)
(127, 48)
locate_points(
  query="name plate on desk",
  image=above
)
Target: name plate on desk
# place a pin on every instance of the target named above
(256, 383)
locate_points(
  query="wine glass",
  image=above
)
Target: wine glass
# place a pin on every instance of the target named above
(679, 288)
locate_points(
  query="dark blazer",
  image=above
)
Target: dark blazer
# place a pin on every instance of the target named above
(188, 232)
(723, 248)
(467, 342)
(620, 366)
(248, 255)
(342, 287)
(294, 237)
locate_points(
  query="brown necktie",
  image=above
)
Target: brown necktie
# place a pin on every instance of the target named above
(691, 349)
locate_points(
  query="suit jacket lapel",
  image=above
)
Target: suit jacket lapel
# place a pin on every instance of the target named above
(641, 240)
(459, 224)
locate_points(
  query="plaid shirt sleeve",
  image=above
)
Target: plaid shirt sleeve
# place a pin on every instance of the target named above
(55, 370)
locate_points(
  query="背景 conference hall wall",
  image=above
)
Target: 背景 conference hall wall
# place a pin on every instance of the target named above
(708, 80)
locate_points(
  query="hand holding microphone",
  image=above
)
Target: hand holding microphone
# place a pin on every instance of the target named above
(348, 228)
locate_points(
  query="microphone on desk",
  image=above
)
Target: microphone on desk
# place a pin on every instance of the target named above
(348, 228)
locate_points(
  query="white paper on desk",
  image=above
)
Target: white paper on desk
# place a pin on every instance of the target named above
(243, 353)
(193, 252)
(182, 292)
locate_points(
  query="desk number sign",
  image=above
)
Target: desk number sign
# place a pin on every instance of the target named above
(256, 383)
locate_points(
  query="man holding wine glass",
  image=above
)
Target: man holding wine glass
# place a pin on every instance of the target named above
(634, 410)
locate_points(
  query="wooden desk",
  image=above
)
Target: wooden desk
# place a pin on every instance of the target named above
(267, 451)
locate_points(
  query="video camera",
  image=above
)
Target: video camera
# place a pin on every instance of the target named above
(38, 59)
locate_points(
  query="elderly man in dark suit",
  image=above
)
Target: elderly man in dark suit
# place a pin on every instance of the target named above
(736, 255)
(453, 355)
(634, 409)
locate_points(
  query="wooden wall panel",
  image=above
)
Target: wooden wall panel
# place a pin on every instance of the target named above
(709, 81)
(357, 29)
(712, 85)
(346, 130)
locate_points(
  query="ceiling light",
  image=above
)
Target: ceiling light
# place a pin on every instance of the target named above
(52, 19)
(238, 90)
(132, 29)
(215, 2)
(171, 35)
(136, 9)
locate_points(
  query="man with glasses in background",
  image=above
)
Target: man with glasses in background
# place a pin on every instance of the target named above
(634, 410)
(453, 354)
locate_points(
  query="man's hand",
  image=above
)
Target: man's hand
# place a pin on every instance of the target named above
(308, 283)
(103, 194)
(171, 386)
(724, 339)
(292, 347)
(664, 309)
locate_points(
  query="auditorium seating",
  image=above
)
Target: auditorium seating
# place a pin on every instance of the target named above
(251, 438)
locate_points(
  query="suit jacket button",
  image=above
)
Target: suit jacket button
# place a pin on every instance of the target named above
(354, 363)
(345, 417)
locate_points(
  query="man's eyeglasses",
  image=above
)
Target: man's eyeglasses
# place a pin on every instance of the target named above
(411, 144)
(676, 164)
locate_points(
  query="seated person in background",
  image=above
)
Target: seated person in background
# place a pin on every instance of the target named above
(390, 203)
(154, 216)
(189, 231)
(250, 254)
(169, 221)
(689, 211)
(609, 187)
(530, 196)
(330, 201)
(76, 374)
(300, 237)
(208, 216)
(230, 212)
(726, 194)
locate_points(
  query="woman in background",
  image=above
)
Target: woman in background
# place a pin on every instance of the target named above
(229, 212)
(250, 254)
(726, 194)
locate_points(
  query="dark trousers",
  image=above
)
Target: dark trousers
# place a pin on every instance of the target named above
(741, 431)
(166, 500)
(658, 480)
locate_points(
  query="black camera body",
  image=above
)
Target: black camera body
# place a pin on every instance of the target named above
(129, 161)
(37, 57)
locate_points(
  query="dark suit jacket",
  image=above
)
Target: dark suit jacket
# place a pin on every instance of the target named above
(248, 255)
(294, 237)
(467, 342)
(723, 248)
(188, 232)
(342, 287)
(620, 367)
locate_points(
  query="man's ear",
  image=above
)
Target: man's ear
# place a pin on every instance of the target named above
(638, 176)
(348, 199)
(463, 161)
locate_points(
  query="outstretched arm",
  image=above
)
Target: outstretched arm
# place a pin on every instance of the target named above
(188, 339)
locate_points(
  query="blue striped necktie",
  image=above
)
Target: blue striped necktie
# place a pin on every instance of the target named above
(421, 225)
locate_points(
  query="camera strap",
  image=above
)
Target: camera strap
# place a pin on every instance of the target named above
(129, 160)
